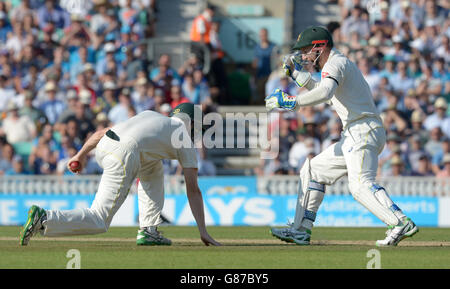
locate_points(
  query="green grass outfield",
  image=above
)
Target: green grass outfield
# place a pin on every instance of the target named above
(244, 247)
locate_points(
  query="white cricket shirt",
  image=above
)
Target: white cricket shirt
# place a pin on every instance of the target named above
(153, 133)
(353, 99)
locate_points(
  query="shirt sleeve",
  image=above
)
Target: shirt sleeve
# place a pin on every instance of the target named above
(322, 93)
(334, 69)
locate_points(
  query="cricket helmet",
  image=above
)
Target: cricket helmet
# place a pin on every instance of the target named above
(314, 35)
(188, 112)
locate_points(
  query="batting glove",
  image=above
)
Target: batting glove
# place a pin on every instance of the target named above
(294, 69)
(280, 99)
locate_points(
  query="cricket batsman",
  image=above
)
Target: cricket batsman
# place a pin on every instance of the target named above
(356, 154)
(134, 148)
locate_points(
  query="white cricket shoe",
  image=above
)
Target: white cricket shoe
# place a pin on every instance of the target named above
(292, 235)
(398, 233)
(151, 237)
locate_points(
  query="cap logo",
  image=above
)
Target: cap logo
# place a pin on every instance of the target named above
(299, 36)
(176, 111)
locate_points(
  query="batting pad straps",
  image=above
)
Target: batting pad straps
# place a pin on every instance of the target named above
(313, 185)
(375, 187)
(310, 215)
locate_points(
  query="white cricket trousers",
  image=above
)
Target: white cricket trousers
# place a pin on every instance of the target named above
(121, 164)
(356, 155)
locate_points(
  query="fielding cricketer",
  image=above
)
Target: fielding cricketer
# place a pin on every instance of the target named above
(134, 148)
(356, 154)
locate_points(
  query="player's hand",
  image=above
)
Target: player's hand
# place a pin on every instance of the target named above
(293, 68)
(208, 240)
(280, 99)
(76, 164)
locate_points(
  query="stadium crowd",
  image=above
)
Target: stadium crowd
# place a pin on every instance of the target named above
(62, 76)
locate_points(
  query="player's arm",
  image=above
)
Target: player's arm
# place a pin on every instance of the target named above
(88, 146)
(322, 92)
(196, 203)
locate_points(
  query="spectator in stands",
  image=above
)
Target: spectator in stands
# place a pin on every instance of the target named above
(5, 27)
(217, 75)
(84, 119)
(201, 85)
(47, 137)
(372, 77)
(72, 100)
(177, 96)
(424, 167)
(17, 128)
(434, 144)
(99, 21)
(441, 72)
(262, 64)
(189, 66)
(102, 67)
(427, 83)
(200, 32)
(334, 135)
(71, 131)
(445, 172)
(443, 51)
(300, 151)
(164, 73)
(435, 14)
(397, 167)
(142, 100)
(127, 13)
(119, 112)
(42, 160)
(393, 120)
(439, 155)
(22, 10)
(28, 109)
(287, 138)
(17, 40)
(276, 167)
(417, 118)
(355, 23)
(415, 152)
(6, 93)
(439, 118)
(18, 167)
(393, 142)
(6, 158)
(52, 107)
(383, 24)
(52, 13)
(136, 65)
(410, 104)
(400, 81)
(105, 103)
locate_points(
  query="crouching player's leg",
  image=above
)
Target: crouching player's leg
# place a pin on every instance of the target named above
(324, 169)
(120, 163)
(151, 202)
